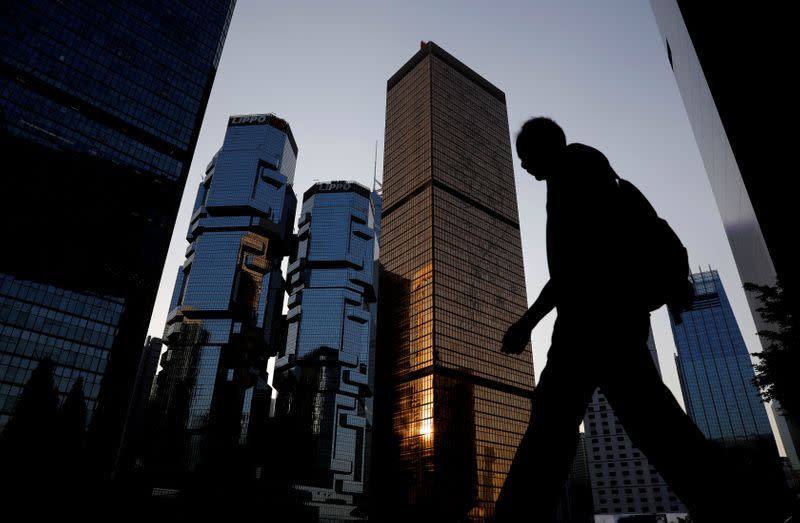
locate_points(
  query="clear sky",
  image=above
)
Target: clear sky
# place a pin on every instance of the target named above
(600, 69)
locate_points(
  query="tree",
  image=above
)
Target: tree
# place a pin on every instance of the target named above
(28, 448)
(776, 372)
(29, 434)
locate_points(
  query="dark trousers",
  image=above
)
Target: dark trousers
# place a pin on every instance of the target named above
(612, 355)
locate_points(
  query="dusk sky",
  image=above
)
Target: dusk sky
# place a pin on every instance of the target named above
(600, 69)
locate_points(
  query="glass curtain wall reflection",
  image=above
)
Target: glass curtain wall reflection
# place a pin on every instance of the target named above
(225, 314)
(100, 108)
(325, 377)
(452, 282)
(715, 370)
(716, 377)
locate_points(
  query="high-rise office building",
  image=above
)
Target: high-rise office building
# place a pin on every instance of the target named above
(134, 436)
(212, 395)
(736, 94)
(715, 370)
(716, 377)
(100, 109)
(575, 505)
(623, 480)
(325, 375)
(452, 282)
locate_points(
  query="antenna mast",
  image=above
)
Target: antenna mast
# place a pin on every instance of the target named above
(375, 183)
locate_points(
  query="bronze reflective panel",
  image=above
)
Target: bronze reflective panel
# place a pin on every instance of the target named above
(452, 282)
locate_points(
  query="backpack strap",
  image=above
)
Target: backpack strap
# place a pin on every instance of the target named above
(633, 198)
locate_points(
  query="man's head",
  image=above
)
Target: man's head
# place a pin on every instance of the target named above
(539, 144)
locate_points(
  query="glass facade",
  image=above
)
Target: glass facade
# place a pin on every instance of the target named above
(715, 370)
(452, 282)
(575, 505)
(325, 375)
(100, 108)
(76, 330)
(623, 480)
(225, 317)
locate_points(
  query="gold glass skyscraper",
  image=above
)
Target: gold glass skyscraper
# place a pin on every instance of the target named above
(454, 279)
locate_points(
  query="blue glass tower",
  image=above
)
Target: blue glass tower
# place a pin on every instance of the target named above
(100, 108)
(714, 368)
(225, 316)
(325, 376)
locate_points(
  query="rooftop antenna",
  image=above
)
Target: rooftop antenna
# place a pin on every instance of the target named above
(376, 185)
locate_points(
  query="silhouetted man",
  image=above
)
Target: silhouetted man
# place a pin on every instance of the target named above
(599, 339)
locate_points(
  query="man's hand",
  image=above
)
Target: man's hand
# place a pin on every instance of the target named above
(517, 336)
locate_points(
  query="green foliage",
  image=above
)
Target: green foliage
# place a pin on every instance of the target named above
(776, 372)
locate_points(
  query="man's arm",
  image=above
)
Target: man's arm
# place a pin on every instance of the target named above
(519, 333)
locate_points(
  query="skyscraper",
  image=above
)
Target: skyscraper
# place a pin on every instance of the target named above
(100, 109)
(716, 378)
(733, 104)
(134, 436)
(453, 281)
(226, 307)
(715, 370)
(576, 500)
(325, 375)
(736, 95)
(623, 480)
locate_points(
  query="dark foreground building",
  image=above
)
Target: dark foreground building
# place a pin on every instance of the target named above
(732, 66)
(451, 407)
(100, 108)
(325, 376)
(211, 402)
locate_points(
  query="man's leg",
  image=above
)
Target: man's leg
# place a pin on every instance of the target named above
(659, 427)
(543, 459)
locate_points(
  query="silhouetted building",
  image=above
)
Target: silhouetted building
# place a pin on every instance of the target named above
(100, 109)
(623, 480)
(454, 282)
(576, 501)
(134, 433)
(736, 95)
(225, 314)
(325, 375)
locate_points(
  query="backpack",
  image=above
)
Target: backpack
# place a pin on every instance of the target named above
(660, 273)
